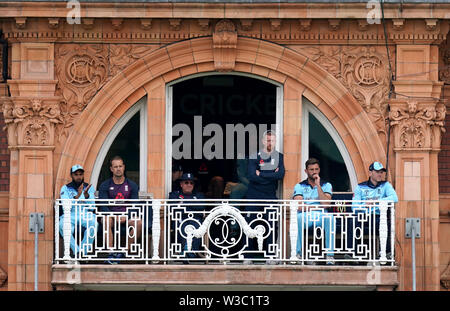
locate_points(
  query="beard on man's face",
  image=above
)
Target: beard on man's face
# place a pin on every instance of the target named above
(78, 184)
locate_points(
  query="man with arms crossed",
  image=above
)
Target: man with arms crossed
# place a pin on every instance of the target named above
(313, 188)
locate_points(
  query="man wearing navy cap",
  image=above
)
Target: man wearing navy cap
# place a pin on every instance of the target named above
(80, 215)
(375, 188)
(187, 191)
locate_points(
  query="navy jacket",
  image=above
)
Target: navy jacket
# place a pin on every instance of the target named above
(265, 185)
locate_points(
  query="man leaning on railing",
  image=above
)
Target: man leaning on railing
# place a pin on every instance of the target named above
(375, 188)
(80, 214)
(310, 189)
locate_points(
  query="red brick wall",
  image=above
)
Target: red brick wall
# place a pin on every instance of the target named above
(444, 155)
(4, 157)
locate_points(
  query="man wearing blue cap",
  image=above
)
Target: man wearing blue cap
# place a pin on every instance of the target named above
(375, 188)
(80, 215)
(187, 192)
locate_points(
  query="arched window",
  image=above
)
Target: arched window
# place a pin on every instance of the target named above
(127, 139)
(321, 140)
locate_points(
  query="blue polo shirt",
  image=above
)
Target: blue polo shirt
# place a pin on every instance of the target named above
(309, 192)
(368, 191)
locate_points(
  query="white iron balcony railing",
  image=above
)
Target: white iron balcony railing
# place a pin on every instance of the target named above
(225, 231)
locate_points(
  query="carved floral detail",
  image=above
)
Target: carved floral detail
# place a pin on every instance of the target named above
(123, 55)
(31, 121)
(81, 71)
(417, 124)
(363, 71)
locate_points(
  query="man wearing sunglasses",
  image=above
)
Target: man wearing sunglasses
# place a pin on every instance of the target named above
(188, 192)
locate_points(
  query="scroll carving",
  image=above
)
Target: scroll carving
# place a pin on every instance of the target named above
(123, 55)
(81, 71)
(363, 71)
(224, 45)
(417, 124)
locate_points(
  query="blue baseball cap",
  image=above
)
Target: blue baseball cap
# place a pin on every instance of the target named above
(187, 176)
(75, 168)
(376, 166)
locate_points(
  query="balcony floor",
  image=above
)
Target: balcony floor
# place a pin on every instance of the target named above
(222, 277)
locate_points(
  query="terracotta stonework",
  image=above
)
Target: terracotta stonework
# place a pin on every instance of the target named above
(69, 84)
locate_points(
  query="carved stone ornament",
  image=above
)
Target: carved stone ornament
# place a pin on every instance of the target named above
(81, 71)
(364, 72)
(123, 55)
(445, 277)
(31, 121)
(417, 125)
(224, 45)
(3, 277)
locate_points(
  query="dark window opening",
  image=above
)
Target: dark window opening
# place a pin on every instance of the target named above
(125, 145)
(221, 99)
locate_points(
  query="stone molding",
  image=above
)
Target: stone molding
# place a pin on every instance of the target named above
(224, 45)
(280, 30)
(417, 124)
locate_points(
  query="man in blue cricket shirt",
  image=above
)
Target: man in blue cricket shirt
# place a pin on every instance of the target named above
(81, 216)
(265, 169)
(311, 189)
(187, 192)
(375, 188)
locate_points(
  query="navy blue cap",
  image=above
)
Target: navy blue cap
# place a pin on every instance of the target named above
(187, 176)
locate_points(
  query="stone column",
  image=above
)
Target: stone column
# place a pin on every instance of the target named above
(417, 118)
(31, 114)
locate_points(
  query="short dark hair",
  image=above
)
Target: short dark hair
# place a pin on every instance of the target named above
(269, 132)
(311, 161)
(114, 159)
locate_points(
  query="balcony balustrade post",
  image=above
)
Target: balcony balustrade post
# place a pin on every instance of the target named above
(67, 232)
(383, 231)
(293, 229)
(392, 250)
(156, 228)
